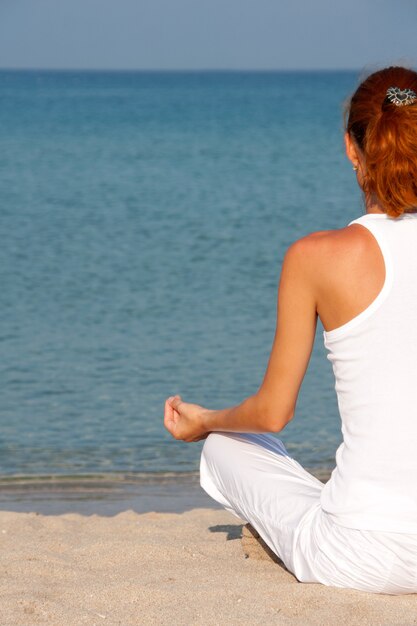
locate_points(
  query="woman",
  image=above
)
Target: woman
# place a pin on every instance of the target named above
(360, 529)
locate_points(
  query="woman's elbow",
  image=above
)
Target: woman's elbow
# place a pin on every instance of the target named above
(276, 418)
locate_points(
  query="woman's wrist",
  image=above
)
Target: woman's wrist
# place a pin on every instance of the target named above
(249, 416)
(231, 419)
(207, 421)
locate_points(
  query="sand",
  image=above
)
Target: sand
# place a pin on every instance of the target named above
(163, 568)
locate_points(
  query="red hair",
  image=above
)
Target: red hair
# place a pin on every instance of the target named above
(386, 134)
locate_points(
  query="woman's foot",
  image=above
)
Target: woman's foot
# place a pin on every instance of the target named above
(254, 547)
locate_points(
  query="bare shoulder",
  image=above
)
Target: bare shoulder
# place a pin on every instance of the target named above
(342, 269)
(329, 250)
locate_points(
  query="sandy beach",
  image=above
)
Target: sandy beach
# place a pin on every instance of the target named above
(162, 568)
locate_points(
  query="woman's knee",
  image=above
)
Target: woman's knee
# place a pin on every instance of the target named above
(212, 469)
(221, 452)
(221, 447)
(233, 446)
(211, 446)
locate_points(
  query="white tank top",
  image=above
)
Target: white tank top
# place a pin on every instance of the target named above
(374, 358)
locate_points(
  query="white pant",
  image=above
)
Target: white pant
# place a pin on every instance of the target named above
(253, 477)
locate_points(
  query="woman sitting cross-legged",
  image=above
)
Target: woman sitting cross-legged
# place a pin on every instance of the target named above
(360, 529)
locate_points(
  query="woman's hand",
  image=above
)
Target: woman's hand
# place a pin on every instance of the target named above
(183, 420)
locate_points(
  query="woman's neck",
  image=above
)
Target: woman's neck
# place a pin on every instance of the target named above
(373, 207)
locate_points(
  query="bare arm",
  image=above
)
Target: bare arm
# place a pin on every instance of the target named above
(272, 407)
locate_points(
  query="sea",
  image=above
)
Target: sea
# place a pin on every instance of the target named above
(144, 218)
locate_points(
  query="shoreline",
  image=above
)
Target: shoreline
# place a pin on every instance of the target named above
(108, 494)
(104, 495)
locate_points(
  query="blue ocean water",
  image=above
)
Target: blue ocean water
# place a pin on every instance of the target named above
(144, 220)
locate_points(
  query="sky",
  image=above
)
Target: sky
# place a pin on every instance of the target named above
(207, 34)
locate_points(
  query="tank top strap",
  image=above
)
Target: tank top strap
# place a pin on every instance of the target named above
(378, 225)
(376, 228)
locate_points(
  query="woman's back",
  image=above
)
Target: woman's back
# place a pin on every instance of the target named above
(374, 357)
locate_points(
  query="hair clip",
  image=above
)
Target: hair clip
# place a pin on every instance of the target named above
(401, 97)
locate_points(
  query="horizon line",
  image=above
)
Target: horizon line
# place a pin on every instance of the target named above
(180, 70)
